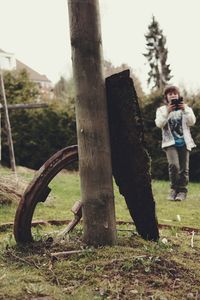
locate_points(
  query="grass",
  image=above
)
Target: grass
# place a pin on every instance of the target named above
(134, 269)
(65, 191)
(167, 211)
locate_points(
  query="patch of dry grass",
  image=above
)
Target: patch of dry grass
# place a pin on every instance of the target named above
(12, 187)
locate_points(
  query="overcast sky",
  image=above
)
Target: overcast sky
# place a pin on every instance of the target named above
(37, 31)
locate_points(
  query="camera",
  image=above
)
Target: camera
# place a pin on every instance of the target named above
(176, 102)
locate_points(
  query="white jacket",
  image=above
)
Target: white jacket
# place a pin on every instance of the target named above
(188, 119)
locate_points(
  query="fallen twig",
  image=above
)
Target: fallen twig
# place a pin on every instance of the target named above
(5, 226)
(192, 239)
(35, 223)
(23, 260)
(182, 228)
(66, 253)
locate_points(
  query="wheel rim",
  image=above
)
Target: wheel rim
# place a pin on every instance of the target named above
(38, 191)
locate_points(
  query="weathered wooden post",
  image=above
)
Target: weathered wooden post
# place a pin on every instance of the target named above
(92, 124)
(0, 133)
(8, 127)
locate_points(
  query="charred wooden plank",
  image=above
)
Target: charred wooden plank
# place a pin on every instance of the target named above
(130, 160)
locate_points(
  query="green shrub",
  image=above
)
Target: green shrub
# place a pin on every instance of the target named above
(38, 134)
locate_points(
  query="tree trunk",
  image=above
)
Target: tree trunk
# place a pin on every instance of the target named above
(92, 124)
(130, 161)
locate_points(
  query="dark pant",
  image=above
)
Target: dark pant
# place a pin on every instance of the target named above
(178, 164)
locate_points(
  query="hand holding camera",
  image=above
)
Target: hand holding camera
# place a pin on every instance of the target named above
(176, 104)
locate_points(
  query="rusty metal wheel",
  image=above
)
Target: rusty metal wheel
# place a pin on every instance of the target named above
(38, 191)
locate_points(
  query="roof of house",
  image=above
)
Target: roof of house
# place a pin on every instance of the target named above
(2, 51)
(34, 75)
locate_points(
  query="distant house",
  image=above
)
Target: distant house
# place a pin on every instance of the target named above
(9, 62)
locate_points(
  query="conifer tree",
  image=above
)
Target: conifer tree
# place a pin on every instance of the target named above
(157, 53)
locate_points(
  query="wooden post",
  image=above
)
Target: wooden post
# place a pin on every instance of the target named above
(0, 133)
(92, 124)
(8, 127)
